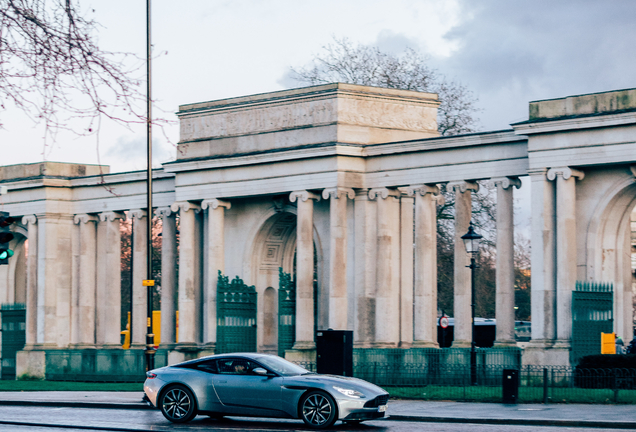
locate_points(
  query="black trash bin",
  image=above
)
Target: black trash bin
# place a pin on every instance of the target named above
(510, 386)
(334, 352)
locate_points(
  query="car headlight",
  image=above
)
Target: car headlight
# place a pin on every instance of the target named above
(349, 392)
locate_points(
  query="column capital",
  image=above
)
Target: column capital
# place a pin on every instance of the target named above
(137, 213)
(338, 192)
(85, 218)
(506, 182)
(633, 169)
(463, 186)
(111, 216)
(164, 211)
(214, 203)
(426, 189)
(29, 219)
(383, 193)
(303, 196)
(565, 172)
(184, 206)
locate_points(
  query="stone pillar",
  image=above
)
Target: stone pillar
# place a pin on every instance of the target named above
(304, 269)
(565, 248)
(505, 265)
(31, 281)
(168, 277)
(406, 271)
(139, 320)
(338, 300)
(365, 268)
(427, 197)
(108, 297)
(87, 279)
(461, 273)
(387, 294)
(190, 298)
(215, 247)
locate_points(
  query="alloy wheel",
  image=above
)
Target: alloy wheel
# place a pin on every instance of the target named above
(318, 410)
(177, 405)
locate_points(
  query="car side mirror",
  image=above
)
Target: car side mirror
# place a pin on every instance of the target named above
(260, 371)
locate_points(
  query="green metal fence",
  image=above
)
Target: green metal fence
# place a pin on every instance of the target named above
(592, 314)
(286, 312)
(236, 315)
(13, 319)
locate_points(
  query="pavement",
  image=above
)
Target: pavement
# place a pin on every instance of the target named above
(569, 415)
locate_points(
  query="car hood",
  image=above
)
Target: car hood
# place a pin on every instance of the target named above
(336, 380)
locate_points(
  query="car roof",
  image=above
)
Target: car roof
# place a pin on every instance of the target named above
(246, 355)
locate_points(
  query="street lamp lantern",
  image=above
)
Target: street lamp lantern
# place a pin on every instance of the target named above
(471, 241)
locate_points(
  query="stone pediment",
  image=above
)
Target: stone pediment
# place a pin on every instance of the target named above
(311, 116)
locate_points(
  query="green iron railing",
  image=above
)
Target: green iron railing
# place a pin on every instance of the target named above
(286, 312)
(592, 314)
(236, 316)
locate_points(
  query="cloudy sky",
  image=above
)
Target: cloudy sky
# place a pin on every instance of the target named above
(507, 52)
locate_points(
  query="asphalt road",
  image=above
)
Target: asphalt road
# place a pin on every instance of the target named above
(31, 419)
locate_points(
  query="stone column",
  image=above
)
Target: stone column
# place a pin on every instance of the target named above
(505, 265)
(365, 268)
(304, 269)
(190, 298)
(108, 297)
(387, 294)
(461, 273)
(139, 320)
(215, 247)
(87, 279)
(338, 301)
(406, 271)
(565, 248)
(543, 257)
(31, 281)
(168, 277)
(427, 197)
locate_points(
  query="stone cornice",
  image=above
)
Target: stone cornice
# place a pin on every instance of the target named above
(303, 196)
(565, 172)
(338, 192)
(574, 123)
(214, 203)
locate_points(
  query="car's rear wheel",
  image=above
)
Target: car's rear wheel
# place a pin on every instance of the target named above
(178, 404)
(318, 410)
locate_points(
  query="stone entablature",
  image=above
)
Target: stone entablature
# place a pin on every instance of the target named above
(312, 116)
(583, 105)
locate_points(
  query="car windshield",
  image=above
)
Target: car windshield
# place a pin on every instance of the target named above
(282, 366)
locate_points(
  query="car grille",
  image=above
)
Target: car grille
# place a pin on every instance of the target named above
(378, 401)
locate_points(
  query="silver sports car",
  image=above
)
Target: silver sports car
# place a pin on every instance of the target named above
(261, 385)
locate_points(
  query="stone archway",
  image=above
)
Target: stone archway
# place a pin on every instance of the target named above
(609, 250)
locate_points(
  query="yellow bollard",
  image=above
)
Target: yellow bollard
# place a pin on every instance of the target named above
(126, 334)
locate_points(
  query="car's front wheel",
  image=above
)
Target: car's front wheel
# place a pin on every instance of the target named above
(178, 404)
(318, 410)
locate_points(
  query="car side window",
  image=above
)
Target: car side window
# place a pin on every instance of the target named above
(234, 366)
(209, 366)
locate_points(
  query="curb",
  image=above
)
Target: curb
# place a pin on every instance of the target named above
(98, 405)
(518, 422)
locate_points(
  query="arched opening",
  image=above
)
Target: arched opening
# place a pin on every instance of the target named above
(274, 247)
(610, 251)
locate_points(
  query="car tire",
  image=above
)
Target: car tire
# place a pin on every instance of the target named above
(178, 405)
(318, 410)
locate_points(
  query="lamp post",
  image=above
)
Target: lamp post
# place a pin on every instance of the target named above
(471, 242)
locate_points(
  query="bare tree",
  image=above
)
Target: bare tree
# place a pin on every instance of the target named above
(342, 61)
(52, 69)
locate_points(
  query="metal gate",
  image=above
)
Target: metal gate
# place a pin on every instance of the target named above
(286, 312)
(592, 314)
(13, 317)
(236, 315)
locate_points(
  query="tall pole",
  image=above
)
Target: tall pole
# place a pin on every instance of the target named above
(150, 349)
(473, 351)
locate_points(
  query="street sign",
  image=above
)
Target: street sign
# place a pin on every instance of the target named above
(443, 321)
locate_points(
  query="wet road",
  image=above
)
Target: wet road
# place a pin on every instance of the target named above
(31, 419)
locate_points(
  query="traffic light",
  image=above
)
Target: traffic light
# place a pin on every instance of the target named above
(5, 237)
